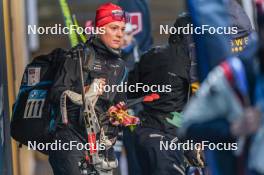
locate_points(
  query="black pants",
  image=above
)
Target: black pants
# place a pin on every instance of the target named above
(129, 139)
(66, 162)
(152, 159)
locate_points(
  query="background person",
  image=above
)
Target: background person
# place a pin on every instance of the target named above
(165, 65)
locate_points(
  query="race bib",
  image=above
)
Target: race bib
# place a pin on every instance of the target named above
(35, 104)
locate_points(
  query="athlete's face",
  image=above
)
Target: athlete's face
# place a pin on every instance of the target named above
(114, 34)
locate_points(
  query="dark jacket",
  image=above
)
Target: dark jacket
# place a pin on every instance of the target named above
(106, 64)
(168, 65)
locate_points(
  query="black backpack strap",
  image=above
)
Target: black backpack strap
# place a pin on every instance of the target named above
(89, 58)
(88, 55)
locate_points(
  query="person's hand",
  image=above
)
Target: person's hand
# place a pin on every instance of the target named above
(195, 157)
(118, 115)
(121, 105)
(116, 108)
(100, 86)
(248, 124)
(86, 88)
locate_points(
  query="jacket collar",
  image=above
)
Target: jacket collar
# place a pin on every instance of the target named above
(102, 49)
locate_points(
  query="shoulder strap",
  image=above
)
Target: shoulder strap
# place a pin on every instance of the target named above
(89, 57)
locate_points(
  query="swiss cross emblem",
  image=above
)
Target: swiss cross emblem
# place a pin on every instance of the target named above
(136, 21)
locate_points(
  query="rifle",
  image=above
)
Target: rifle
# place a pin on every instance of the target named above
(88, 100)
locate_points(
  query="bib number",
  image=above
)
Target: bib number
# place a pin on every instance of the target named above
(35, 104)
